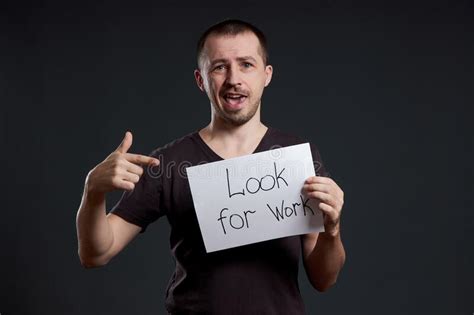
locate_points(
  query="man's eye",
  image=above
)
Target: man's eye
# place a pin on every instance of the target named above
(247, 64)
(219, 67)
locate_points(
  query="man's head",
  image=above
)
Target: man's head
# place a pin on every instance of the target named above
(232, 28)
(233, 69)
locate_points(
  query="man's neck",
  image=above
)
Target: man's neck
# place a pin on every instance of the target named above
(228, 140)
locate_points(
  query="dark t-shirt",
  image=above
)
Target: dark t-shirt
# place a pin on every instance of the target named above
(260, 278)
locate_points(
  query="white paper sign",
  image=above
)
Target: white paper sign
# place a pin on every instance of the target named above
(254, 198)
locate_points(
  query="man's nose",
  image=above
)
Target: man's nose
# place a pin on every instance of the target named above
(233, 76)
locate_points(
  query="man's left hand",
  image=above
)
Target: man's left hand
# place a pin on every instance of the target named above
(331, 199)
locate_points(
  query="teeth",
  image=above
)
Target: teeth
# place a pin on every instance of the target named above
(234, 96)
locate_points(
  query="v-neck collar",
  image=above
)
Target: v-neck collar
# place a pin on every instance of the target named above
(217, 157)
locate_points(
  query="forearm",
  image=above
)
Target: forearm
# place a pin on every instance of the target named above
(325, 261)
(94, 235)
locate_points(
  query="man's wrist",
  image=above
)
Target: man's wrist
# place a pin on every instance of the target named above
(332, 233)
(92, 196)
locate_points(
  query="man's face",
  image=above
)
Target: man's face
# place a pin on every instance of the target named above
(233, 75)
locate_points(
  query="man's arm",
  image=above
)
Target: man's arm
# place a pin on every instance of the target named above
(100, 237)
(323, 258)
(323, 253)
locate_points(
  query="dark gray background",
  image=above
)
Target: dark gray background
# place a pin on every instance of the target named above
(383, 88)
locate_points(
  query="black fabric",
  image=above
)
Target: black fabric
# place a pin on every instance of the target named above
(260, 278)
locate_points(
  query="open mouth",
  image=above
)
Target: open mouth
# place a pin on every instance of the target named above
(235, 100)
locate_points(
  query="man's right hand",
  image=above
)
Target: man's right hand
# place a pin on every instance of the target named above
(120, 170)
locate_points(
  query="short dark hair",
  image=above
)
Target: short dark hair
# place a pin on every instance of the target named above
(233, 27)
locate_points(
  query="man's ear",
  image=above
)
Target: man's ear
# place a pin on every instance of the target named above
(269, 73)
(199, 79)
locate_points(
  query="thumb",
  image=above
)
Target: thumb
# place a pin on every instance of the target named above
(126, 143)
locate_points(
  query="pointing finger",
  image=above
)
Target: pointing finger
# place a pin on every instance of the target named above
(141, 159)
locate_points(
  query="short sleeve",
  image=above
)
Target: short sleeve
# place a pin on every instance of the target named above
(319, 167)
(141, 206)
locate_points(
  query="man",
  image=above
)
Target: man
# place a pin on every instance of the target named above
(259, 278)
